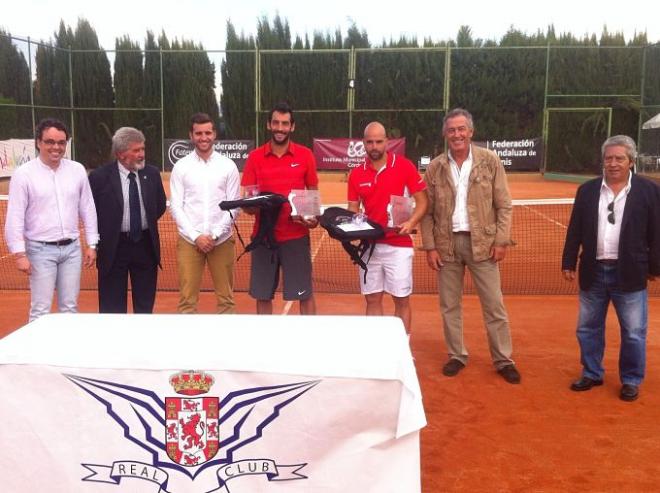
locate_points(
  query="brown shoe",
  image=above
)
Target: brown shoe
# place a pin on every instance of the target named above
(452, 367)
(510, 374)
(629, 392)
(585, 383)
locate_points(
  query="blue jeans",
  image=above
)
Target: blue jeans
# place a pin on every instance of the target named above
(632, 312)
(53, 267)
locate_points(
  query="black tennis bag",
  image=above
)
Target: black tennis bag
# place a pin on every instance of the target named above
(334, 217)
(269, 205)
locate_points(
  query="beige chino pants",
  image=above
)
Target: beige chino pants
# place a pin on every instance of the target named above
(190, 265)
(486, 278)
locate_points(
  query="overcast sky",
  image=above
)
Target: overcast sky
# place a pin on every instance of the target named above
(204, 20)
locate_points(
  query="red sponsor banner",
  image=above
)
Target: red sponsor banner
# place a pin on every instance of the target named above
(345, 154)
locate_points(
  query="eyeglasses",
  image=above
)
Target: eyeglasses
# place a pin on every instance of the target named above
(610, 216)
(51, 142)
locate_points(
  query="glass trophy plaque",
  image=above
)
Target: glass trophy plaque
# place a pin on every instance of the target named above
(305, 203)
(250, 191)
(399, 210)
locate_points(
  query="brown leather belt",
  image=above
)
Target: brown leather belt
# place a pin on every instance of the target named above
(461, 232)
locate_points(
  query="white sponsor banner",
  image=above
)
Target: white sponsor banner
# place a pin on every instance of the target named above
(236, 150)
(120, 416)
(14, 152)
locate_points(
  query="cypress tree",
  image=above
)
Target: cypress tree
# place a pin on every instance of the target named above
(92, 88)
(151, 98)
(128, 82)
(14, 89)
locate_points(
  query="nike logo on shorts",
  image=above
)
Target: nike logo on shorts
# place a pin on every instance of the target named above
(300, 293)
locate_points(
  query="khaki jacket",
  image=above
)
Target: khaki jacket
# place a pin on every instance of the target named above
(488, 204)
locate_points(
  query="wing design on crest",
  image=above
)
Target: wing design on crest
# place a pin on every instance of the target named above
(244, 414)
(139, 412)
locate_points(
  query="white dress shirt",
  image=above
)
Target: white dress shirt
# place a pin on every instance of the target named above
(126, 216)
(461, 175)
(47, 205)
(196, 189)
(607, 245)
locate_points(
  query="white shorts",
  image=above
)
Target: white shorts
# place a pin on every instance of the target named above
(389, 270)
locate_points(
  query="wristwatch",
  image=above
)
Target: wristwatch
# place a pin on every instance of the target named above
(93, 247)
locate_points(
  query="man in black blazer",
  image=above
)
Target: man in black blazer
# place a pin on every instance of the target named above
(129, 199)
(615, 227)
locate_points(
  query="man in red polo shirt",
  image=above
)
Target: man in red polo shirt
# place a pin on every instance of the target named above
(280, 166)
(383, 175)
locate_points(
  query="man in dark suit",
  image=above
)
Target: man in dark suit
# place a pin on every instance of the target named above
(129, 199)
(615, 226)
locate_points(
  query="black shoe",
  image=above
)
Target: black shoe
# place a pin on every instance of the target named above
(629, 392)
(585, 383)
(452, 367)
(510, 373)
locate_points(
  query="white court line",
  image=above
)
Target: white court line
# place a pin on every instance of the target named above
(548, 218)
(289, 304)
(542, 201)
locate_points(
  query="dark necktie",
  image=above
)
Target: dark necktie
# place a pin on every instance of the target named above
(134, 208)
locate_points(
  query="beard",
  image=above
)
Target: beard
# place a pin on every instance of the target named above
(136, 166)
(280, 138)
(376, 155)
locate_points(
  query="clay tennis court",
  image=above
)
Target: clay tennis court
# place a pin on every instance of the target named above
(484, 434)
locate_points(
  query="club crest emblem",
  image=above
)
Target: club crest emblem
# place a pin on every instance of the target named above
(202, 435)
(191, 430)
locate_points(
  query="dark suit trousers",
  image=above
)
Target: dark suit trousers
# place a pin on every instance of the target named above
(136, 260)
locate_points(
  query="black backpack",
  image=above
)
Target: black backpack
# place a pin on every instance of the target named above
(332, 219)
(269, 205)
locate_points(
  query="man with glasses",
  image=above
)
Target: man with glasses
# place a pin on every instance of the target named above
(48, 196)
(615, 227)
(468, 224)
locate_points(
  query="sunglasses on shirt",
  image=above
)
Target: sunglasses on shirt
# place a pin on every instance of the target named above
(610, 216)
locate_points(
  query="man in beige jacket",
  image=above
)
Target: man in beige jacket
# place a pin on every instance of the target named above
(468, 223)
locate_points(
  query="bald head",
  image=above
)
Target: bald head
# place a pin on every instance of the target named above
(375, 143)
(375, 129)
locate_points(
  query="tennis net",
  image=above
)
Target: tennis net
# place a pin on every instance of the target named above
(532, 266)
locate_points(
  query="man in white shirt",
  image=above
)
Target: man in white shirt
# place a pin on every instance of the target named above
(48, 196)
(199, 182)
(615, 229)
(468, 224)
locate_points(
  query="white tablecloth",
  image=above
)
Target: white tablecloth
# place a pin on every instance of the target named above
(309, 404)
